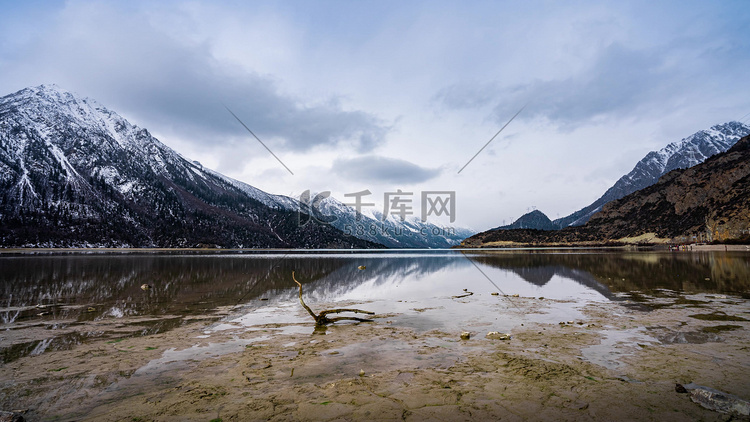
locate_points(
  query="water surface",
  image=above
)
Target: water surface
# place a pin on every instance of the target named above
(55, 301)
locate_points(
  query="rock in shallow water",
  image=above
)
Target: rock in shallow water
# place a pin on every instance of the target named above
(715, 400)
(494, 335)
(10, 417)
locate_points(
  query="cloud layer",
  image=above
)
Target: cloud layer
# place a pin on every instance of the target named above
(376, 169)
(618, 83)
(108, 50)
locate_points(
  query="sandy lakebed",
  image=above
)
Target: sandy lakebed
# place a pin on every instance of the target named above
(614, 360)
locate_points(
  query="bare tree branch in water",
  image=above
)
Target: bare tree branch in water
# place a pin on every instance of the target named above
(322, 318)
(468, 293)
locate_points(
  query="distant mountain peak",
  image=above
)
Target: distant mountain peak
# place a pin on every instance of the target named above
(536, 220)
(50, 93)
(50, 88)
(681, 154)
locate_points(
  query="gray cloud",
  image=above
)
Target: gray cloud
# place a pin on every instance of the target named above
(468, 95)
(131, 65)
(619, 81)
(382, 169)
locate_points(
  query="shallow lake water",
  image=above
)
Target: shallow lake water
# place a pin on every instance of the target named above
(141, 335)
(55, 301)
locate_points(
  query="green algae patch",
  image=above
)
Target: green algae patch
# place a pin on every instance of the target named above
(720, 328)
(717, 316)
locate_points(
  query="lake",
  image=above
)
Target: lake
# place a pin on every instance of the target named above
(51, 301)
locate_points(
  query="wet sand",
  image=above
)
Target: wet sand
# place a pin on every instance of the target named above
(615, 361)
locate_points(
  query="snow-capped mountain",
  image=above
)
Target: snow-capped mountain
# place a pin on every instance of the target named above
(682, 154)
(73, 173)
(390, 231)
(368, 225)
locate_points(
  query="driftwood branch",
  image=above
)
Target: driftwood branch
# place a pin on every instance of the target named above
(307, 308)
(468, 293)
(322, 318)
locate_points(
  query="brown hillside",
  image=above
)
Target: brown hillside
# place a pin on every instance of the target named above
(710, 201)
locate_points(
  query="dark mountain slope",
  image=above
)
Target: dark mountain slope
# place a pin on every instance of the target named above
(73, 173)
(532, 220)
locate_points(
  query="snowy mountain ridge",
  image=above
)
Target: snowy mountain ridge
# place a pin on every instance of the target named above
(43, 110)
(70, 166)
(391, 231)
(73, 173)
(368, 224)
(685, 153)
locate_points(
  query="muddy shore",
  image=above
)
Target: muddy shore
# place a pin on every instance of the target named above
(617, 361)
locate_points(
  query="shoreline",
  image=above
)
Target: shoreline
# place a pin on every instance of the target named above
(510, 246)
(586, 245)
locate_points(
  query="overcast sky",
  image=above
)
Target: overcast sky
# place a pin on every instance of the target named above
(386, 95)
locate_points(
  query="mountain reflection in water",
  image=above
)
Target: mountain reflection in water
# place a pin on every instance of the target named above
(707, 272)
(60, 292)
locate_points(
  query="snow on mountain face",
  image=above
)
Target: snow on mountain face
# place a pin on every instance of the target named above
(272, 201)
(685, 153)
(370, 225)
(45, 119)
(77, 174)
(67, 161)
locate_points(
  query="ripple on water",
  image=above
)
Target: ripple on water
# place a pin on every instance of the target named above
(614, 345)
